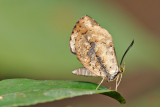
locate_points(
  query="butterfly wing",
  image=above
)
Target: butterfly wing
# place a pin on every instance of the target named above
(94, 48)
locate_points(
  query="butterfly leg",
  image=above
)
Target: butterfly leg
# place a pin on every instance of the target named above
(118, 80)
(100, 83)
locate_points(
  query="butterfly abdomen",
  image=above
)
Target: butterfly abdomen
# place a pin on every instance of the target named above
(83, 71)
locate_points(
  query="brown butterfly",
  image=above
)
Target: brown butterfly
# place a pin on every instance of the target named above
(94, 48)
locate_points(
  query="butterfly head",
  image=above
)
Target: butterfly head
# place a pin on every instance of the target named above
(112, 77)
(122, 69)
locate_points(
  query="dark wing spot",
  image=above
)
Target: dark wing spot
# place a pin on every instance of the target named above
(100, 61)
(110, 44)
(91, 50)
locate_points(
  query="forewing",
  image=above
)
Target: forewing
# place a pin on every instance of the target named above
(82, 24)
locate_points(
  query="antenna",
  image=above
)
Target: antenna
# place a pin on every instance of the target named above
(126, 52)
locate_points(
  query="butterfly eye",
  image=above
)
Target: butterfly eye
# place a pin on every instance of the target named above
(121, 69)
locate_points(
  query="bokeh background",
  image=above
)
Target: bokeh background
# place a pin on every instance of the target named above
(34, 43)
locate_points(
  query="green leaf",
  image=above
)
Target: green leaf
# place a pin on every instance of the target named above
(22, 92)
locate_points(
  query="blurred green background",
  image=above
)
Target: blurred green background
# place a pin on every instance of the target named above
(34, 43)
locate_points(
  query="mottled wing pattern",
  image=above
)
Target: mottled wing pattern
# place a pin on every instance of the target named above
(80, 25)
(94, 48)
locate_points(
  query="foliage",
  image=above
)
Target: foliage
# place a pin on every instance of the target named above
(22, 92)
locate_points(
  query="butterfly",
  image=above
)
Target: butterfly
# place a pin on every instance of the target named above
(93, 46)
